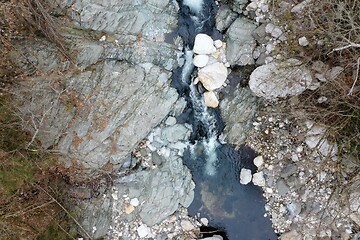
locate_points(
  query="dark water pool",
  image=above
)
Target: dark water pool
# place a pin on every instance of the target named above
(228, 205)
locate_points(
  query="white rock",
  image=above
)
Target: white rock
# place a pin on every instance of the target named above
(258, 179)
(203, 44)
(303, 41)
(211, 100)
(143, 231)
(204, 221)
(103, 38)
(245, 176)
(218, 43)
(213, 76)
(280, 80)
(170, 121)
(201, 60)
(134, 202)
(259, 161)
(187, 225)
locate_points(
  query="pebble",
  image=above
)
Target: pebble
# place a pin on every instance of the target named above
(245, 176)
(143, 231)
(303, 41)
(204, 221)
(187, 225)
(129, 209)
(170, 121)
(258, 179)
(259, 161)
(134, 202)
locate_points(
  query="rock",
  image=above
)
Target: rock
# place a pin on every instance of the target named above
(245, 176)
(294, 208)
(303, 41)
(282, 187)
(215, 237)
(95, 212)
(156, 158)
(259, 161)
(218, 43)
(300, 7)
(170, 121)
(211, 100)
(288, 171)
(292, 235)
(240, 43)
(224, 18)
(129, 209)
(333, 73)
(187, 225)
(204, 221)
(213, 76)
(273, 30)
(201, 60)
(238, 111)
(162, 190)
(177, 132)
(258, 179)
(280, 80)
(259, 33)
(237, 5)
(134, 202)
(143, 231)
(203, 44)
(354, 204)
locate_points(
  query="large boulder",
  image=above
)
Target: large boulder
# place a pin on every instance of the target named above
(240, 42)
(161, 191)
(238, 111)
(213, 76)
(280, 80)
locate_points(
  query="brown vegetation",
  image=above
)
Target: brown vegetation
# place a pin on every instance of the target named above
(32, 195)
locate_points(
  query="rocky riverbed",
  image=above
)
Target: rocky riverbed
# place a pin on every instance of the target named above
(121, 130)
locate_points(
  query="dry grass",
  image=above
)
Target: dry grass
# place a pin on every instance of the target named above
(332, 28)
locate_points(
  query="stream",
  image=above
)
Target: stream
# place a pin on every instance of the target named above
(234, 211)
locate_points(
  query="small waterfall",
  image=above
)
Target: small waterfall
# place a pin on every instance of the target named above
(202, 115)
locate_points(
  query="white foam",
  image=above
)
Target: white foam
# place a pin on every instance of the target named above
(194, 5)
(211, 160)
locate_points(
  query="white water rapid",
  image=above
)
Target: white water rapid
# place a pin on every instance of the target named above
(194, 5)
(201, 114)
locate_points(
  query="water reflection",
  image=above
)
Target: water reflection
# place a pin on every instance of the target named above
(239, 209)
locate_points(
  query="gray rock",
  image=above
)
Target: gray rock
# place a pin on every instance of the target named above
(282, 187)
(95, 214)
(162, 190)
(240, 42)
(224, 18)
(259, 33)
(238, 112)
(156, 158)
(238, 5)
(177, 132)
(294, 208)
(280, 80)
(288, 171)
(104, 113)
(215, 237)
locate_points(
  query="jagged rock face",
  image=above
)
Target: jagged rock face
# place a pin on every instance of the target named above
(238, 112)
(116, 106)
(95, 117)
(135, 31)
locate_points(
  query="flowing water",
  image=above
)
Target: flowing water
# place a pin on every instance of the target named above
(219, 196)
